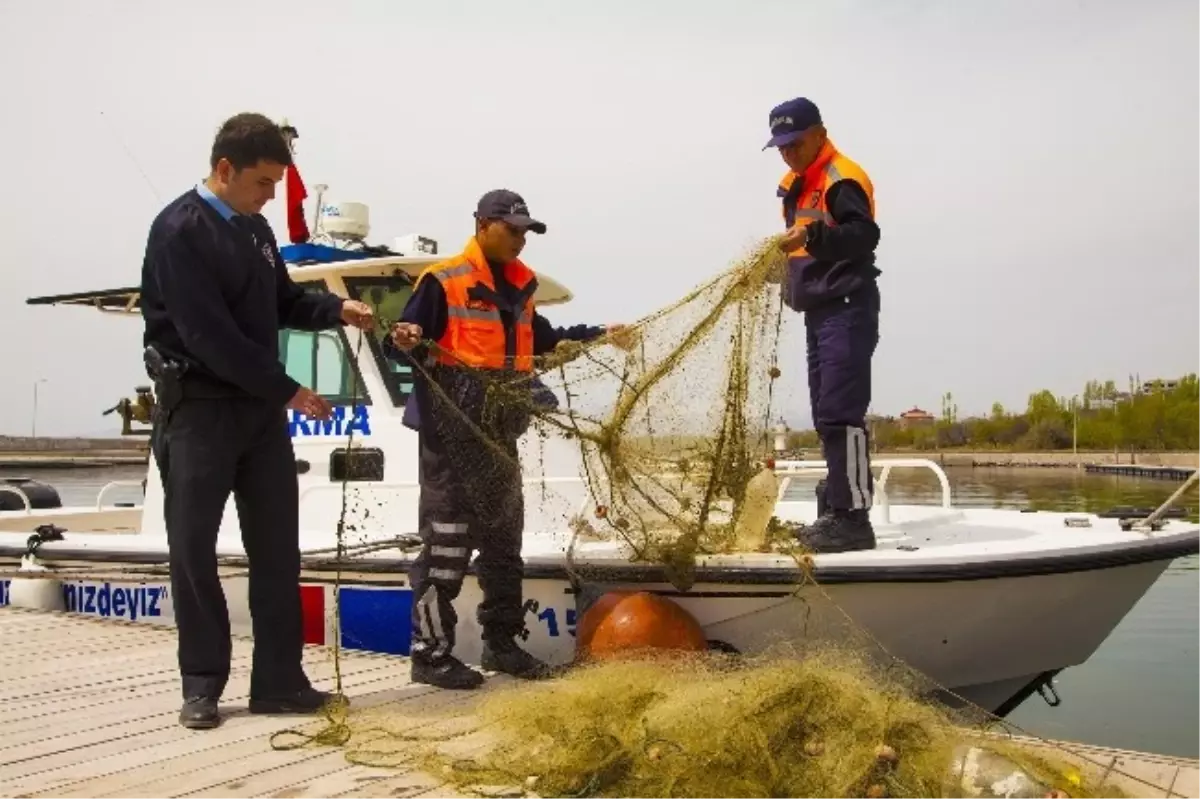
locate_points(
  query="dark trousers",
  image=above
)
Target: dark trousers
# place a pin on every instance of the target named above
(842, 336)
(206, 449)
(471, 501)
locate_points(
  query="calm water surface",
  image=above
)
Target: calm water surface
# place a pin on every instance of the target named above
(1140, 691)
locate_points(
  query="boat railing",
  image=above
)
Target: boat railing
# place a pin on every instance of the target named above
(28, 509)
(789, 469)
(11, 489)
(114, 484)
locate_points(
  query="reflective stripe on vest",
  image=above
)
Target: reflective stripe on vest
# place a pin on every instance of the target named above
(475, 334)
(805, 201)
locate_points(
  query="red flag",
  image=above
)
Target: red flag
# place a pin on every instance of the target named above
(297, 228)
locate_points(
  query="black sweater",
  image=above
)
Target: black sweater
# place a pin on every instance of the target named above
(215, 294)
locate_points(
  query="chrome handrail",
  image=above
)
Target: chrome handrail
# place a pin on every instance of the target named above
(114, 484)
(24, 497)
(789, 468)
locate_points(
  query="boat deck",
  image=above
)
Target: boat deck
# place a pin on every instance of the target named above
(88, 707)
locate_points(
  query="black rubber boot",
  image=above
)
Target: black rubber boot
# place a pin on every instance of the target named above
(839, 531)
(503, 655)
(448, 672)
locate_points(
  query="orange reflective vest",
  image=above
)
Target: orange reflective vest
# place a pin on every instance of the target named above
(476, 335)
(804, 195)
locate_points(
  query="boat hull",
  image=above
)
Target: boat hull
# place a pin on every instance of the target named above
(987, 640)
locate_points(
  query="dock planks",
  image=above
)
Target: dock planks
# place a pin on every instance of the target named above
(89, 707)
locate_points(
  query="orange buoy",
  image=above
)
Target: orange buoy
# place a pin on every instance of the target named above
(621, 622)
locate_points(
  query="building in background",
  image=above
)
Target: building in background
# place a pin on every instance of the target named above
(915, 417)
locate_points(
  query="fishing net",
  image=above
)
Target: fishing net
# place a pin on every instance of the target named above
(669, 420)
(668, 425)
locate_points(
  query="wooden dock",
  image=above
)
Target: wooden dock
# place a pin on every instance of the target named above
(89, 707)
(1175, 473)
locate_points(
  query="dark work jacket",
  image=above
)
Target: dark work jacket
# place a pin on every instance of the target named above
(841, 256)
(215, 294)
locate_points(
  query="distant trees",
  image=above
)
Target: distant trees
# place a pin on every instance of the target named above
(1146, 417)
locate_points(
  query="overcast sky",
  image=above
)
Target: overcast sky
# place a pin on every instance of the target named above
(1035, 163)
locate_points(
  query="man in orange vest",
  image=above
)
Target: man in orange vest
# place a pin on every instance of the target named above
(478, 311)
(829, 209)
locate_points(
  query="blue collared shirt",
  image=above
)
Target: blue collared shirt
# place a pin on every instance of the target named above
(216, 202)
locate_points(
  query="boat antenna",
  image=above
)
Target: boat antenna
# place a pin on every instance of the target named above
(1151, 521)
(116, 135)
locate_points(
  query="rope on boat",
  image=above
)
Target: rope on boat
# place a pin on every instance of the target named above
(1150, 521)
(335, 711)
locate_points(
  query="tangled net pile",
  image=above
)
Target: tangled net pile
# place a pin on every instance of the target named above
(715, 725)
(671, 428)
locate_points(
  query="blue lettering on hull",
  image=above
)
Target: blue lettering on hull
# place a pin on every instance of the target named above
(358, 423)
(131, 602)
(549, 618)
(115, 601)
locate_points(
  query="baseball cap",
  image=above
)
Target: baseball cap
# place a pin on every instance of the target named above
(509, 207)
(789, 121)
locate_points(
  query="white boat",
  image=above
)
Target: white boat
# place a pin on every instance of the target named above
(990, 604)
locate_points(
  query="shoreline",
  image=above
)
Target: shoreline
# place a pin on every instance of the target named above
(71, 460)
(1048, 460)
(1057, 459)
(50, 452)
(1139, 464)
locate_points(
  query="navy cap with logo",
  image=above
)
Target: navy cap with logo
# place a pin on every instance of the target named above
(508, 206)
(789, 121)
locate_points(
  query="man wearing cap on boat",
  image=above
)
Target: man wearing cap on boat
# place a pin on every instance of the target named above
(472, 323)
(215, 292)
(829, 210)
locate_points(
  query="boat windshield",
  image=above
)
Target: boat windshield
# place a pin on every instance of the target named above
(387, 296)
(322, 360)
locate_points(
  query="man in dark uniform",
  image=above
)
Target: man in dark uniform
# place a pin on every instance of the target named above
(214, 294)
(478, 312)
(829, 210)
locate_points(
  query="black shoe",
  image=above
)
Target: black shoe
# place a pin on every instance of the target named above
(506, 657)
(447, 672)
(199, 713)
(838, 531)
(303, 702)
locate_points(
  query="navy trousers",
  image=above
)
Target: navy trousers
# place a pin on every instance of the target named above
(206, 450)
(842, 336)
(471, 502)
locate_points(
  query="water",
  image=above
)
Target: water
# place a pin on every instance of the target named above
(82, 486)
(1141, 689)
